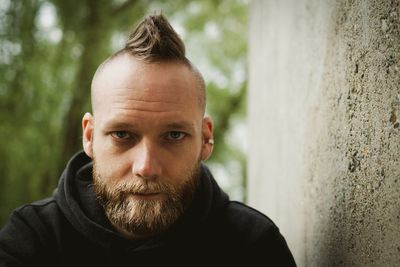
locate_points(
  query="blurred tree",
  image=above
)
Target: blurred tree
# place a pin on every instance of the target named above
(49, 51)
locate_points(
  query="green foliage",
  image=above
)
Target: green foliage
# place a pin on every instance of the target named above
(49, 50)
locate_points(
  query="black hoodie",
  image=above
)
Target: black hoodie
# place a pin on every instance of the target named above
(71, 229)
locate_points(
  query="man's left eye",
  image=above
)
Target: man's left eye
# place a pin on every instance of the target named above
(175, 136)
(120, 135)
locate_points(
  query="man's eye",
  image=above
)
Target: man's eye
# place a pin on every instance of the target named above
(120, 134)
(175, 136)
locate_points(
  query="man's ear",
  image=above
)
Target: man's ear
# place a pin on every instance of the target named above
(208, 142)
(87, 138)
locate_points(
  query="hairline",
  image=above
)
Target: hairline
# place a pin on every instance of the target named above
(185, 61)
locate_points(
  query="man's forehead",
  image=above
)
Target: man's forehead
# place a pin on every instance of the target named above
(131, 94)
(114, 69)
(124, 67)
(133, 81)
(162, 78)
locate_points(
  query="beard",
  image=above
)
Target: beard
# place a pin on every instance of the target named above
(142, 218)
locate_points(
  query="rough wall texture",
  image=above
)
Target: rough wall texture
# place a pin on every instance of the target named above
(324, 114)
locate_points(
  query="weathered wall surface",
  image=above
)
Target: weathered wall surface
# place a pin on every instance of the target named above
(324, 113)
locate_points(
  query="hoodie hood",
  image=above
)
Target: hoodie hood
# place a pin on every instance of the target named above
(76, 198)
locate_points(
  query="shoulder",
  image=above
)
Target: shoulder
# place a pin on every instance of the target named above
(42, 210)
(43, 219)
(40, 205)
(37, 218)
(252, 234)
(245, 218)
(28, 231)
(236, 207)
(243, 226)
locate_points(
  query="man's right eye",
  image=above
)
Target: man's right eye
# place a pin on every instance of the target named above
(121, 135)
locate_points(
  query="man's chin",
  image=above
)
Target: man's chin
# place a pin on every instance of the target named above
(142, 218)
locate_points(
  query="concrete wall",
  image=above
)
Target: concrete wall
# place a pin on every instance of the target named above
(324, 113)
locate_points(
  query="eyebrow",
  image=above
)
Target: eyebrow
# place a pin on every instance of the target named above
(178, 125)
(118, 125)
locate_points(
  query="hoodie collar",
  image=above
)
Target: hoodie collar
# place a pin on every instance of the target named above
(77, 199)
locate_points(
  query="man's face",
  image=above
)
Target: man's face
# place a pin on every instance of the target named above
(146, 138)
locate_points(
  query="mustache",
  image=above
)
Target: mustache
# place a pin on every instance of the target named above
(135, 186)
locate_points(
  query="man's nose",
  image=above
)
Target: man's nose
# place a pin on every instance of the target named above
(145, 161)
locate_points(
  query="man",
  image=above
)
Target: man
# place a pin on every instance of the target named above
(139, 193)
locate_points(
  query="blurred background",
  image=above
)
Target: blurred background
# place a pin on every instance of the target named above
(49, 51)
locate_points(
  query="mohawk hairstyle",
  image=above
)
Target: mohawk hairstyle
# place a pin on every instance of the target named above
(154, 39)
